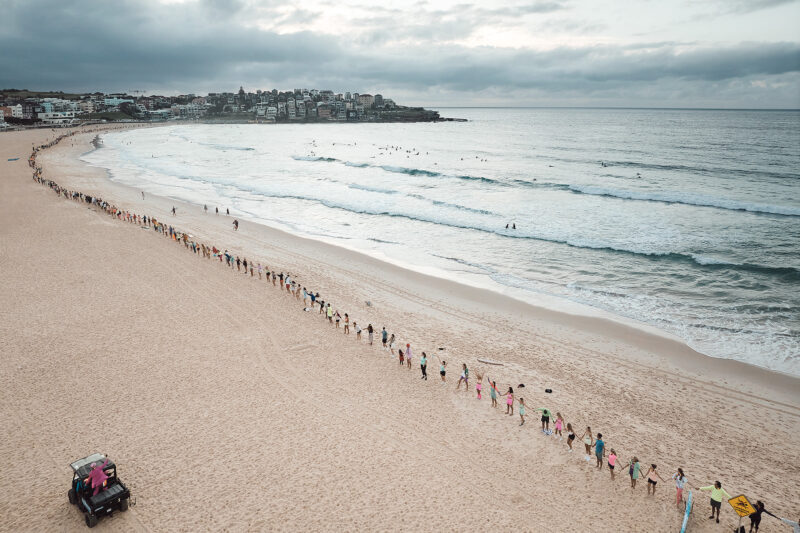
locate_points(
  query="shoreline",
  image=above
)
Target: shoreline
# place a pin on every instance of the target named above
(555, 309)
(195, 344)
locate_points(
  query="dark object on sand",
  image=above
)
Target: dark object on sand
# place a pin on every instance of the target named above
(114, 495)
(548, 391)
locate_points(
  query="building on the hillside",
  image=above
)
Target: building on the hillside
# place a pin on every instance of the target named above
(323, 111)
(366, 100)
(57, 117)
(378, 100)
(86, 106)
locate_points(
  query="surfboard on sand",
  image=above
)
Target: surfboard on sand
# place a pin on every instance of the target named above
(490, 362)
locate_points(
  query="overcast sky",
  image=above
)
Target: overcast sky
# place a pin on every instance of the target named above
(665, 53)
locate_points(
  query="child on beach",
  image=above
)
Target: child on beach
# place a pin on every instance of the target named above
(510, 401)
(442, 371)
(570, 436)
(400, 355)
(587, 443)
(371, 333)
(612, 462)
(522, 411)
(409, 355)
(652, 474)
(633, 471)
(479, 384)
(384, 337)
(338, 318)
(346, 324)
(391, 344)
(358, 331)
(329, 313)
(493, 392)
(423, 365)
(680, 482)
(464, 377)
(559, 425)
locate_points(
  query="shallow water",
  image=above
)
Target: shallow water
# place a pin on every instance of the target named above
(684, 219)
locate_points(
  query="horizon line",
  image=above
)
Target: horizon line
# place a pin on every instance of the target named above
(623, 107)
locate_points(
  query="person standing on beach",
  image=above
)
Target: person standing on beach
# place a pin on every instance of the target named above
(371, 333)
(238, 264)
(546, 415)
(612, 462)
(509, 401)
(680, 483)
(479, 384)
(423, 365)
(235, 225)
(391, 344)
(142, 195)
(634, 467)
(384, 337)
(599, 450)
(652, 479)
(717, 494)
(464, 377)
(346, 320)
(227, 211)
(522, 411)
(570, 436)
(358, 330)
(409, 355)
(338, 318)
(493, 392)
(442, 370)
(559, 425)
(205, 208)
(329, 313)
(217, 210)
(587, 442)
(173, 210)
(755, 517)
(280, 277)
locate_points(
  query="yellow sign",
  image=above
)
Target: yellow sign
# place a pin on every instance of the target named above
(741, 505)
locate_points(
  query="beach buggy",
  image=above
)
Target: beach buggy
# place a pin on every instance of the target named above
(96, 489)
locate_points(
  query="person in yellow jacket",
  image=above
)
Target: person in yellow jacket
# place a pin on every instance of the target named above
(717, 493)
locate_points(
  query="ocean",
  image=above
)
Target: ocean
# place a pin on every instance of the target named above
(687, 220)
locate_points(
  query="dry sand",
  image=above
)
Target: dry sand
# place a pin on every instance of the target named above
(226, 407)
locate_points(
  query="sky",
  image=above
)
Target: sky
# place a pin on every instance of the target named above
(643, 53)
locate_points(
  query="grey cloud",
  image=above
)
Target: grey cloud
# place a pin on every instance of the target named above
(123, 47)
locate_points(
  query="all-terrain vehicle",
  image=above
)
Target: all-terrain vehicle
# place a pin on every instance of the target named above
(113, 496)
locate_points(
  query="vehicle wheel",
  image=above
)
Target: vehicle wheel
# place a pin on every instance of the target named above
(73, 498)
(91, 520)
(123, 505)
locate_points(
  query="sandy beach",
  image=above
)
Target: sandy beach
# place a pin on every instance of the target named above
(227, 407)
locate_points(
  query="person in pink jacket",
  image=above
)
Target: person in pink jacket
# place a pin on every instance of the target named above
(97, 477)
